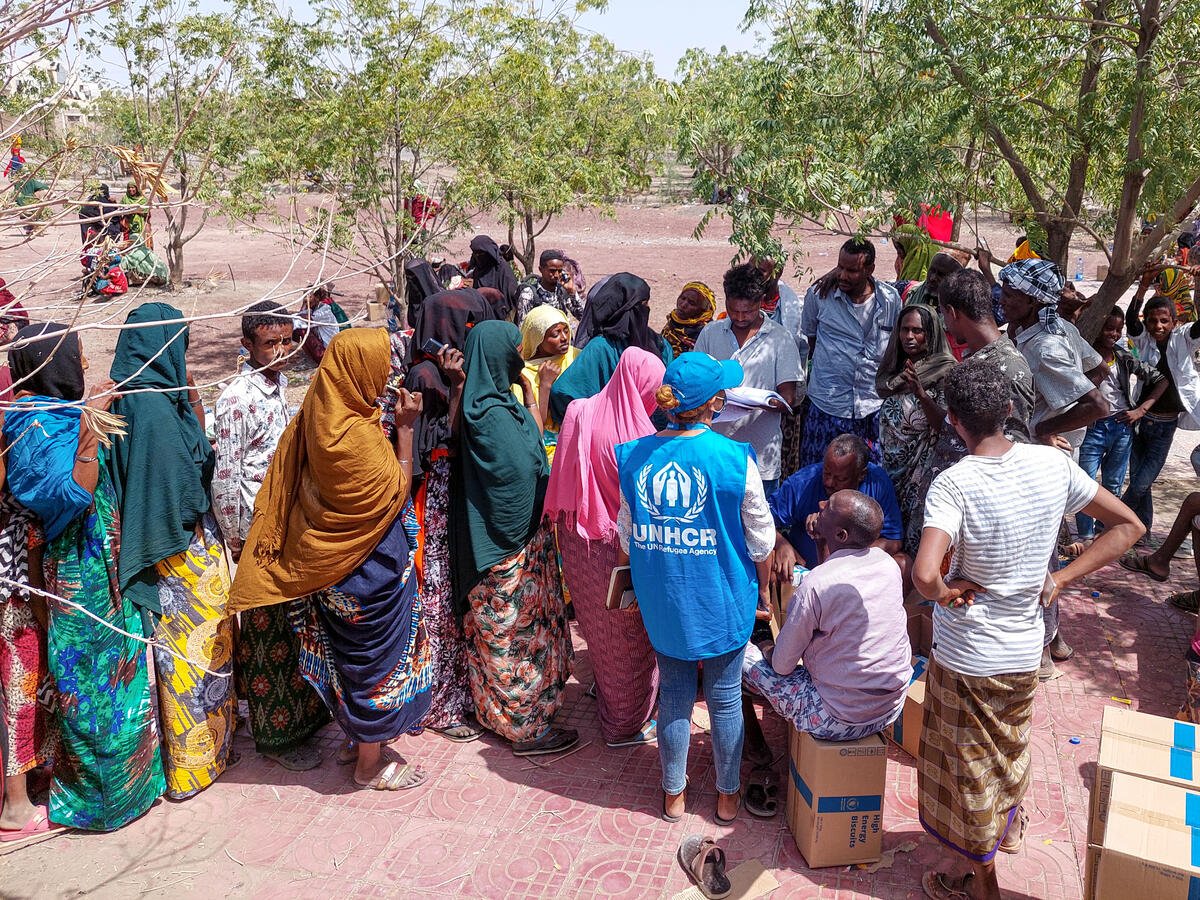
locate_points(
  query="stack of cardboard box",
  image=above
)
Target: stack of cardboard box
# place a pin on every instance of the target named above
(1144, 826)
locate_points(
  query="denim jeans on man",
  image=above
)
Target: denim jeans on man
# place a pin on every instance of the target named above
(1151, 443)
(1105, 449)
(677, 696)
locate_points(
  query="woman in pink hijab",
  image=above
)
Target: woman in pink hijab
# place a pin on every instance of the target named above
(583, 500)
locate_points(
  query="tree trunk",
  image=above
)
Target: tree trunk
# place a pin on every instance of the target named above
(529, 244)
(1058, 244)
(175, 257)
(1103, 301)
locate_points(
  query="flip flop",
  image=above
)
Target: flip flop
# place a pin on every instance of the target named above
(647, 734)
(553, 740)
(731, 820)
(460, 733)
(37, 826)
(1140, 564)
(1188, 601)
(762, 795)
(704, 863)
(667, 817)
(396, 777)
(297, 759)
(938, 886)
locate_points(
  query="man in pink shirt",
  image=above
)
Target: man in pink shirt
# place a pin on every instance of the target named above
(847, 621)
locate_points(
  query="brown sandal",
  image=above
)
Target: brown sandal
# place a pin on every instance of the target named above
(1015, 838)
(939, 886)
(704, 863)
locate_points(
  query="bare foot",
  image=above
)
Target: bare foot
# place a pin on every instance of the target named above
(675, 804)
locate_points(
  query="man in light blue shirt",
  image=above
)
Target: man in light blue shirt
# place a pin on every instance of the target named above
(769, 359)
(848, 329)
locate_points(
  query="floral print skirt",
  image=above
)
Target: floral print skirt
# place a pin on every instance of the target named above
(519, 651)
(198, 710)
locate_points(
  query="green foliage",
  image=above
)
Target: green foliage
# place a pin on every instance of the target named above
(1074, 115)
(556, 119)
(182, 110)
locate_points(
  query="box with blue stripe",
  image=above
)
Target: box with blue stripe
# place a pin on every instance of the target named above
(835, 799)
(1150, 747)
(1151, 843)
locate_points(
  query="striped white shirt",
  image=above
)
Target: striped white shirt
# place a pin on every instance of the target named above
(1002, 515)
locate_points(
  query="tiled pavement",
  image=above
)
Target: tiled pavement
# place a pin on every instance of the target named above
(488, 824)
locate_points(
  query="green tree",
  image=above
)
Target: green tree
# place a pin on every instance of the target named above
(364, 102)
(1070, 114)
(558, 119)
(181, 109)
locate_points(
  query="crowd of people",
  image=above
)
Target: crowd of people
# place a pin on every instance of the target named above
(406, 551)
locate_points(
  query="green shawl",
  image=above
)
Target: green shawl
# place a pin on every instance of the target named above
(502, 465)
(162, 469)
(918, 251)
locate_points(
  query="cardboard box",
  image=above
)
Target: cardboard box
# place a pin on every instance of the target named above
(906, 730)
(835, 799)
(1150, 747)
(1151, 848)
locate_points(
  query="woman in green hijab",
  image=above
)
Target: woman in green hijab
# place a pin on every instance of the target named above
(172, 560)
(518, 643)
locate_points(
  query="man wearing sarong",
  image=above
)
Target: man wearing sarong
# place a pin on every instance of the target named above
(999, 508)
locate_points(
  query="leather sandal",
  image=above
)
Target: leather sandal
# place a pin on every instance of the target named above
(704, 863)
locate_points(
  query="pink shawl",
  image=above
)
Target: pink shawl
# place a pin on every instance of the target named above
(583, 481)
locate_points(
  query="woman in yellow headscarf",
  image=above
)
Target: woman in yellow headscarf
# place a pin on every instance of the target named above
(334, 529)
(547, 351)
(693, 310)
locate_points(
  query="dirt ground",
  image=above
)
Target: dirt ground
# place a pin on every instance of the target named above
(231, 267)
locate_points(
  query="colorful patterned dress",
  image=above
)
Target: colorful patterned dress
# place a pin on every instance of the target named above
(362, 643)
(519, 650)
(198, 710)
(451, 699)
(110, 770)
(26, 689)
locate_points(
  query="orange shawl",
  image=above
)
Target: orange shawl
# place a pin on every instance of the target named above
(334, 487)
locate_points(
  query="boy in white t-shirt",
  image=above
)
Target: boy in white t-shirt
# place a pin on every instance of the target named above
(999, 508)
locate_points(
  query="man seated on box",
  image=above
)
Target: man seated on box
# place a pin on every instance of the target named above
(847, 621)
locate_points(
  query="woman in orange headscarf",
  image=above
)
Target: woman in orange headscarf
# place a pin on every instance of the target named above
(333, 524)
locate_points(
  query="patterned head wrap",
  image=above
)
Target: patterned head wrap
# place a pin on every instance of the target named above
(1041, 280)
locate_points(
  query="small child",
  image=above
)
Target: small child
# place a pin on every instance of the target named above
(1107, 445)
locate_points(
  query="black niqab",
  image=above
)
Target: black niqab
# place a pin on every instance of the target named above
(488, 269)
(51, 365)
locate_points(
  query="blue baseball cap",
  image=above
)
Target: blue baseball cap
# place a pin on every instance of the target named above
(695, 378)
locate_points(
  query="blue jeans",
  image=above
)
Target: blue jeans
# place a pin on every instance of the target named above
(1151, 443)
(677, 696)
(1106, 450)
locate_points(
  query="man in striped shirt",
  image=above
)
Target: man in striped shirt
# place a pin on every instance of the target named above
(999, 508)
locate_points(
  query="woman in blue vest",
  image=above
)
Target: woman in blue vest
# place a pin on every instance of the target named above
(696, 523)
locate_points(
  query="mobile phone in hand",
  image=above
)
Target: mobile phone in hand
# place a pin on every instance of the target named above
(432, 347)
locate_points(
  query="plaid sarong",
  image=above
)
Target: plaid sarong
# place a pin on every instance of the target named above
(974, 765)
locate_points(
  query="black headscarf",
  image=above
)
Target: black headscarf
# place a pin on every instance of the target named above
(488, 269)
(619, 309)
(51, 365)
(422, 284)
(447, 317)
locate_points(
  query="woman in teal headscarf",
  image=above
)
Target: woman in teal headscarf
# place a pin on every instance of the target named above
(518, 643)
(172, 560)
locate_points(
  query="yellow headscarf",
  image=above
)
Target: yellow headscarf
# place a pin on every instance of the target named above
(681, 333)
(334, 487)
(533, 331)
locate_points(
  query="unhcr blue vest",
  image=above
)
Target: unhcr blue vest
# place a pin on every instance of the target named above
(695, 582)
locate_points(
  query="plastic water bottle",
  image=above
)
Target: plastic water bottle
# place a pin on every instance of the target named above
(1079, 268)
